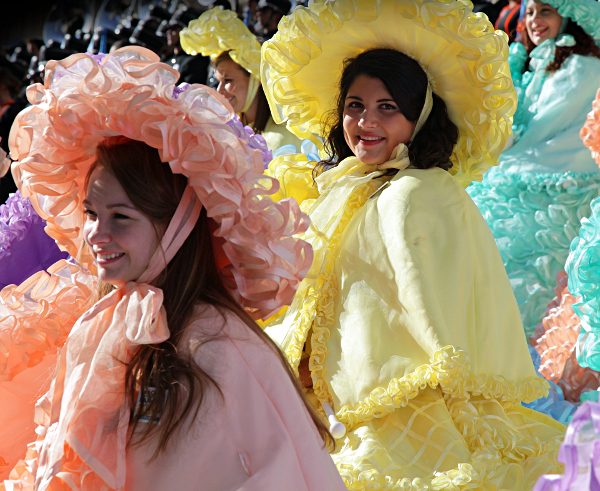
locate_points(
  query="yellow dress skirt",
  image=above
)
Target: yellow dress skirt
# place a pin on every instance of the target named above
(414, 337)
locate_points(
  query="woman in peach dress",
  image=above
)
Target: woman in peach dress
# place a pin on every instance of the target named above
(163, 379)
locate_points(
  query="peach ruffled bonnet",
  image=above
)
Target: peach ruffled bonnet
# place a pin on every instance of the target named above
(84, 100)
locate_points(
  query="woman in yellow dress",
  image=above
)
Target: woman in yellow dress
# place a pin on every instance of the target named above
(235, 54)
(406, 331)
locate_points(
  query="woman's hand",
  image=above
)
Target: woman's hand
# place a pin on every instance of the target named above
(304, 373)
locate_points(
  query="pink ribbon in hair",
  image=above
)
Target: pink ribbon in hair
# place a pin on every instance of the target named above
(179, 229)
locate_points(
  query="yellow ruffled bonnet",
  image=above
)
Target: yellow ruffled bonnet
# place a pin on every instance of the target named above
(464, 57)
(216, 31)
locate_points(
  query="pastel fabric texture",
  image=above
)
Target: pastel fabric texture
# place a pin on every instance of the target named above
(555, 340)
(301, 65)
(84, 100)
(534, 200)
(582, 265)
(36, 318)
(554, 404)
(258, 431)
(219, 30)
(580, 453)
(190, 130)
(414, 336)
(25, 248)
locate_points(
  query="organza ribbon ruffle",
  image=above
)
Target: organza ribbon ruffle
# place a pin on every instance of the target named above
(131, 94)
(219, 30)
(300, 62)
(590, 133)
(84, 418)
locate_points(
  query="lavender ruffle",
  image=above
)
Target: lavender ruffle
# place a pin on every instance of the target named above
(580, 452)
(256, 142)
(25, 248)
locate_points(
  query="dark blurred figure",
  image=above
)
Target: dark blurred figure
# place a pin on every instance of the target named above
(250, 15)
(34, 45)
(508, 20)
(9, 108)
(268, 15)
(491, 8)
(192, 69)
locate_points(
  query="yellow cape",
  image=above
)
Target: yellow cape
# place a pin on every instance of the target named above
(415, 337)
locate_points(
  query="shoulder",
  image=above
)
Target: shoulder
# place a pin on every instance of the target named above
(579, 68)
(424, 186)
(427, 201)
(222, 344)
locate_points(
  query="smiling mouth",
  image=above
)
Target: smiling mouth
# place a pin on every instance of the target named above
(105, 258)
(540, 32)
(370, 140)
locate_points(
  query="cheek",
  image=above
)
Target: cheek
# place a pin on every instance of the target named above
(555, 26)
(87, 230)
(348, 125)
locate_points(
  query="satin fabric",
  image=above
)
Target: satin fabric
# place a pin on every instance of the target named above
(415, 339)
(257, 431)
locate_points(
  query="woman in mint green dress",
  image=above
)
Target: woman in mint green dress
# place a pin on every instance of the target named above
(534, 200)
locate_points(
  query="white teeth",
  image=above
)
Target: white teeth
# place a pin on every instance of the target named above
(105, 257)
(370, 138)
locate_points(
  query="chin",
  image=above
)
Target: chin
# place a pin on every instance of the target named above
(372, 159)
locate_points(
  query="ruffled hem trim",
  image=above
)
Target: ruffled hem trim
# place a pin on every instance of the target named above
(491, 447)
(590, 133)
(449, 369)
(37, 316)
(535, 182)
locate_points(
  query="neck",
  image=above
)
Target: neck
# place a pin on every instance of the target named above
(252, 110)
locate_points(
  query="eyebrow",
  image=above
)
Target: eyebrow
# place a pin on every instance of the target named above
(360, 99)
(113, 205)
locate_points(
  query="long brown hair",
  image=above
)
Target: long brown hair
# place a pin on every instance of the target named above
(406, 82)
(190, 281)
(263, 112)
(584, 46)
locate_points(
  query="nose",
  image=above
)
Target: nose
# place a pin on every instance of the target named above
(368, 119)
(98, 232)
(221, 88)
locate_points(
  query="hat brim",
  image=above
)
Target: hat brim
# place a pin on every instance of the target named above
(216, 31)
(463, 55)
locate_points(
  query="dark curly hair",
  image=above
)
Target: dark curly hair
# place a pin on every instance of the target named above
(585, 45)
(406, 82)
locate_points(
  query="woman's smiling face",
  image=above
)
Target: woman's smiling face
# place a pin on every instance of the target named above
(373, 124)
(233, 83)
(542, 21)
(122, 239)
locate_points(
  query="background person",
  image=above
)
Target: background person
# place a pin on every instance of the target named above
(546, 179)
(235, 52)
